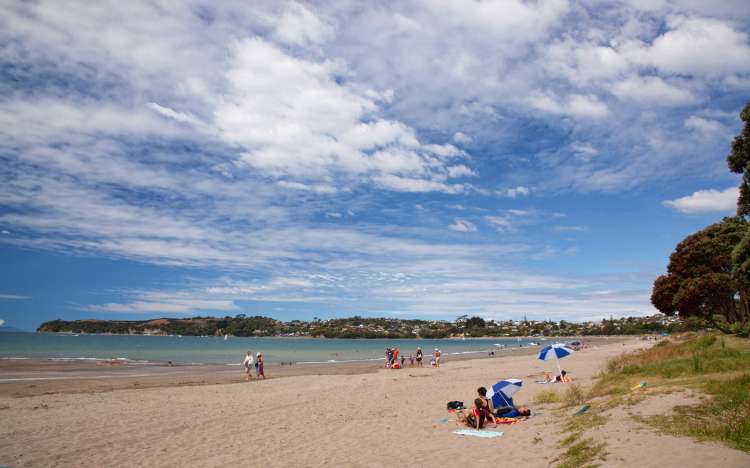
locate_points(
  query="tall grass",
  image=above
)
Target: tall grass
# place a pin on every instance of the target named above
(547, 396)
(574, 395)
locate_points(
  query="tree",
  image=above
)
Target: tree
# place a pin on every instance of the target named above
(702, 280)
(475, 322)
(738, 161)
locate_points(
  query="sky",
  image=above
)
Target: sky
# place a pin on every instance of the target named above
(415, 159)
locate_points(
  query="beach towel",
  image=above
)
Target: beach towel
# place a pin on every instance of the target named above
(506, 420)
(478, 433)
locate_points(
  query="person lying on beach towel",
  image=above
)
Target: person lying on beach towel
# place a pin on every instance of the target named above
(512, 412)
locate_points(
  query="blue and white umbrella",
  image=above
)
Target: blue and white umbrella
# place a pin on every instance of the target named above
(557, 350)
(502, 392)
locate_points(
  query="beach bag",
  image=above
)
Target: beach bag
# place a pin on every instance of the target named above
(455, 405)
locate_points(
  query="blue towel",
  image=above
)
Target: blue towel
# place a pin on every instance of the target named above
(478, 433)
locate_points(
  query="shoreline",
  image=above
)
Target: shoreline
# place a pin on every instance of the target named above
(31, 377)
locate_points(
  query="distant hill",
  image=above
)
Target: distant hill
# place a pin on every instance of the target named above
(370, 327)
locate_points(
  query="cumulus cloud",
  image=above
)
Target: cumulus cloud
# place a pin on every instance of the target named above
(706, 201)
(695, 46)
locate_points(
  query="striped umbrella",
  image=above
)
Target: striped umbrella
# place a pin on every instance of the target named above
(502, 392)
(558, 350)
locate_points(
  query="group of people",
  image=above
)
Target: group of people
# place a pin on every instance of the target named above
(395, 360)
(249, 363)
(483, 412)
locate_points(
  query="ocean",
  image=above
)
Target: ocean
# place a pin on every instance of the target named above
(216, 350)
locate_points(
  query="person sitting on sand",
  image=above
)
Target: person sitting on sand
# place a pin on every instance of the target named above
(563, 377)
(248, 364)
(487, 403)
(478, 416)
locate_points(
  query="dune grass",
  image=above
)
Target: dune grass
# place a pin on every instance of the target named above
(718, 366)
(574, 395)
(547, 396)
(582, 453)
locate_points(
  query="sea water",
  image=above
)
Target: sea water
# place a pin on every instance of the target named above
(217, 350)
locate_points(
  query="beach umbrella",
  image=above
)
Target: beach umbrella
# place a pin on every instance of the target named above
(502, 392)
(558, 350)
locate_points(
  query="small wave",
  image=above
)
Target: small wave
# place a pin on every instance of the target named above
(333, 361)
(13, 358)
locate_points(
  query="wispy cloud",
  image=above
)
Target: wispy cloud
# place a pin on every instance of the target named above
(13, 297)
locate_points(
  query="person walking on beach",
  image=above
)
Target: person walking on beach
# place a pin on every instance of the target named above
(248, 364)
(420, 355)
(259, 366)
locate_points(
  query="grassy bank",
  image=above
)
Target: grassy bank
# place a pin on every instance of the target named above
(716, 366)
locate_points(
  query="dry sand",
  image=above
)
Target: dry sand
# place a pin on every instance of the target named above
(385, 418)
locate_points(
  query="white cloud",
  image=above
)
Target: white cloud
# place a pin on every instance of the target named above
(175, 306)
(706, 201)
(705, 126)
(13, 297)
(515, 192)
(299, 26)
(652, 90)
(576, 105)
(515, 212)
(584, 151)
(700, 46)
(317, 188)
(569, 228)
(500, 223)
(461, 138)
(461, 225)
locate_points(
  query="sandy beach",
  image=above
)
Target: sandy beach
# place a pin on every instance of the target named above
(341, 418)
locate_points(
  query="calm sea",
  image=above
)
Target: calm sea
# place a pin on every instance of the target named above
(216, 350)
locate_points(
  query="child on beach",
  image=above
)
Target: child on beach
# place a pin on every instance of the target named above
(248, 364)
(411, 360)
(437, 357)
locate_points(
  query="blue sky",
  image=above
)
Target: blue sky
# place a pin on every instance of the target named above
(417, 159)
